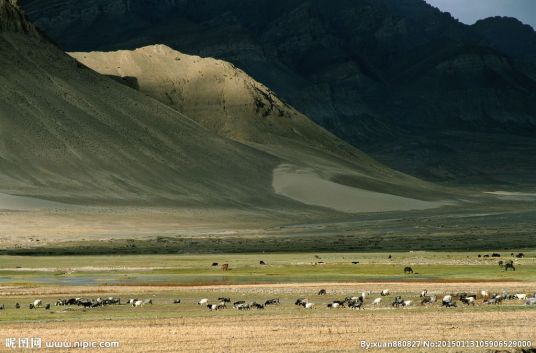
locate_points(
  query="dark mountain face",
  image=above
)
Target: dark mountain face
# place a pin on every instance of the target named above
(508, 35)
(397, 78)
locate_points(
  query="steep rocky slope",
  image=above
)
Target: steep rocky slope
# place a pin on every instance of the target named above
(386, 75)
(72, 135)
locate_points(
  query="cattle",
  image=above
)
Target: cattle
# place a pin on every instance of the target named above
(225, 267)
(384, 293)
(31, 306)
(2, 307)
(424, 293)
(531, 301)
(520, 255)
(408, 270)
(377, 301)
(355, 262)
(47, 307)
(262, 263)
(495, 255)
(37, 303)
(501, 263)
(272, 302)
(224, 299)
(447, 298)
(176, 301)
(148, 301)
(212, 307)
(215, 264)
(407, 303)
(334, 305)
(17, 306)
(322, 292)
(203, 301)
(520, 296)
(484, 294)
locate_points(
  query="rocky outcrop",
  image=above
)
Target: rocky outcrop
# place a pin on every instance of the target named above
(13, 20)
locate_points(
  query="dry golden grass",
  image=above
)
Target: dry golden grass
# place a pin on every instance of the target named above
(316, 332)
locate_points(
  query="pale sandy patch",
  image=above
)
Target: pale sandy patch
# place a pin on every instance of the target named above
(308, 187)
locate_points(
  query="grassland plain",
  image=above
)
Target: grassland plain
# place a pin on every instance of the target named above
(188, 327)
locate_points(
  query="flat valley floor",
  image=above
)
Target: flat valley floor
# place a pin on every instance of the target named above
(189, 327)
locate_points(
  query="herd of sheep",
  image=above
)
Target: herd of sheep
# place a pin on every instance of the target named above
(353, 302)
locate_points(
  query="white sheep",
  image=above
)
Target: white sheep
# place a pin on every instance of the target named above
(377, 301)
(203, 301)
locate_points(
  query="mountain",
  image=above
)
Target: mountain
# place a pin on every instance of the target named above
(398, 79)
(72, 135)
(223, 99)
(67, 133)
(508, 35)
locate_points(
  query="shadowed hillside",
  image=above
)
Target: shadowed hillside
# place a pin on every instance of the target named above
(397, 78)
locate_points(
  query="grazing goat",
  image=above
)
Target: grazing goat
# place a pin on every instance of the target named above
(300, 301)
(424, 293)
(468, 300)
(176, 301)
(224, 299)
(384, 293)
(203, 301)
(397, 302)
(429, 299)
(334, 305)
(520, 296)
(272, 302)
(377, 301)
(17, 306)
(308, 305)
(408, 270)
(2, 307)
(37, 303)
(448, 303)
(322, 292)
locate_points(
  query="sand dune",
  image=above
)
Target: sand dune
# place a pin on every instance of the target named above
(306, 186)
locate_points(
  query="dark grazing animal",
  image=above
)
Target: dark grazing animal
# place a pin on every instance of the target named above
(408, 270)
(176, 301)
(322, 292)
(2, 307)
(47, 307)
(215, 264)
(262, 263)
(272, 302)
(510, 266)
(224, 299)
(17, 306)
